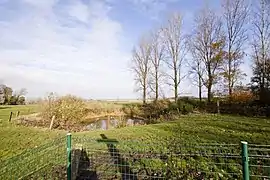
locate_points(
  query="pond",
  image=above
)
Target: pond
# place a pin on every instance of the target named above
(101, 124)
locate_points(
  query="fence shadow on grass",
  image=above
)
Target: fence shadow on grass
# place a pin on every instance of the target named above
(123, 166)
(84, 168)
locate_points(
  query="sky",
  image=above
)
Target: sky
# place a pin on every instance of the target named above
(80, 47)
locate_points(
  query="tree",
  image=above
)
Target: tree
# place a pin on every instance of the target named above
(18, 97)
(21, 100)
(235, 14)
(2, 94)
(141, 66)
(157, 56)
(8, 94)
(176, 50)
(207, 47)
(261, 50)
(196, 70)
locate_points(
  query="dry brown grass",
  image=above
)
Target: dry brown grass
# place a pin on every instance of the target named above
(103, 108)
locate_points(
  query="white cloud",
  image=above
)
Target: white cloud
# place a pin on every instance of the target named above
(79, 11)
(48, 52)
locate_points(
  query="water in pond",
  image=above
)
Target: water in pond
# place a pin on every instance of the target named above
(113, 123)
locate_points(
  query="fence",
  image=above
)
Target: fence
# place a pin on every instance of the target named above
(43, 162)
(86, 158)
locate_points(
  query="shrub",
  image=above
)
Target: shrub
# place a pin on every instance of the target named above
(241, 96)
(132, 110)
(184, 107)
(66, 109)
(156, 108)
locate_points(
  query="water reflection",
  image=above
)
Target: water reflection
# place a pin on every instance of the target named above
(113, 123)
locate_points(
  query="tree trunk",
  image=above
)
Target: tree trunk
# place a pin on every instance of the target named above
(210, 82)
(175, 83)
(144, 91)
(229, 71)
(175, 93)
(209, 93)
(200, 89)
(156, 84)
(144, 95)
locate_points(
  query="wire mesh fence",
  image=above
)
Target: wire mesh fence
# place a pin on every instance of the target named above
(105, 158)
(111, 159)
(44, 162)
(259, 160)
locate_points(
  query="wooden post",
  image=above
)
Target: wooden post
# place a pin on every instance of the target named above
(218, 110)
(107, 122)
(10, 117)
(51, 125)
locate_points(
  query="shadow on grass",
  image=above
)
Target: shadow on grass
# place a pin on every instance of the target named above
(122, 165)
(84, 166)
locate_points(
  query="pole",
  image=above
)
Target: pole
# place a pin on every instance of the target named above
(245, 160)
(10, 117)
(69, 156)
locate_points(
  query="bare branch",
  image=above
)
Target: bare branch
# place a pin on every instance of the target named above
(175, 47)
(235, 15)
(141, 66)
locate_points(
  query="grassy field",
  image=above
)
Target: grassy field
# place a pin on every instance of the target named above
(15, 139)
(188, 129)
(191, 128)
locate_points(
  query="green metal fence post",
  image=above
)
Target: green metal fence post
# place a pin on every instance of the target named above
(245, 160)
(69, 156)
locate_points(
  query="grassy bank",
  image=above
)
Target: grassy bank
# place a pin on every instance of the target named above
(190, 128)
(197, 128)
(14, 139)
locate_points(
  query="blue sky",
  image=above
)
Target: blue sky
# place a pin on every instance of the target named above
(82, 47)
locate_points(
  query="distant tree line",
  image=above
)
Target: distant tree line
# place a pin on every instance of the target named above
(10, 97)
(210, 54)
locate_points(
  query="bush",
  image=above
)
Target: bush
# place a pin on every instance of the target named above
(242, 96)
(155, 109)
(184, 107)
(132, 110)
(66, 109)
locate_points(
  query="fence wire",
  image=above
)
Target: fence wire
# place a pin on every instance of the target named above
(259, 161)
(110, 159)
(107, 158)
(44, 162)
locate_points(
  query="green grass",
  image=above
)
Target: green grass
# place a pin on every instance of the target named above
(189, 129)
(197, 128)
(193, 129)
(15, 139)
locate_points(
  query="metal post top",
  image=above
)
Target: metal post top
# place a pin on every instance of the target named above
(244, 142)
(68, 134)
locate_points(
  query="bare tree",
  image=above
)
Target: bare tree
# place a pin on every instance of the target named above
(235, 16)
(207, 47)
(141, 66)
(196, 69)
(156, 60)
(176, 50)
(261, 47)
